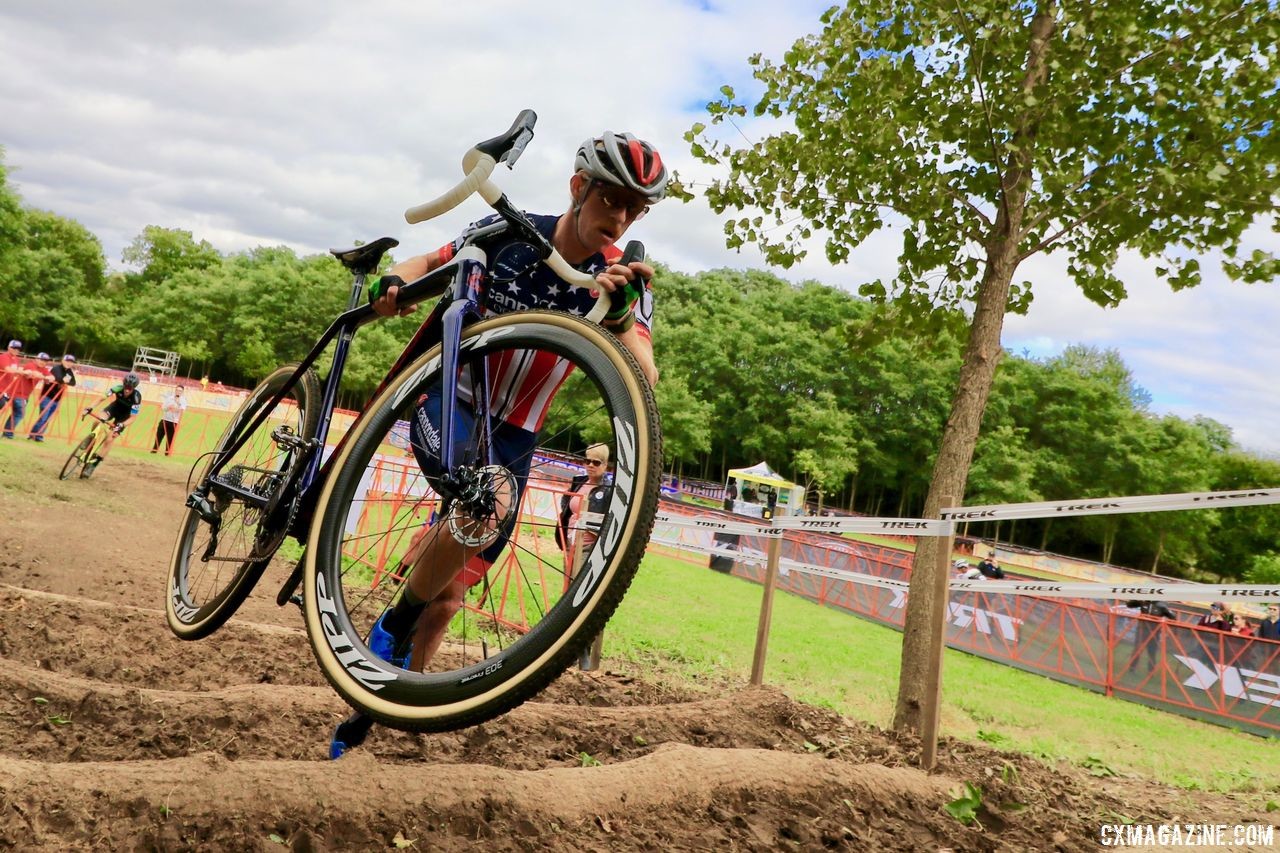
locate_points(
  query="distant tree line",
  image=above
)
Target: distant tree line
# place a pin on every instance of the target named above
(827, 387)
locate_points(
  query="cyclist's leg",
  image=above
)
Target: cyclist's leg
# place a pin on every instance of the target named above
(436, 559)
(109, 439)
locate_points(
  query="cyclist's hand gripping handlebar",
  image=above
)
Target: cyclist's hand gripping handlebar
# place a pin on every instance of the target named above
(478, 165)
(621, 315)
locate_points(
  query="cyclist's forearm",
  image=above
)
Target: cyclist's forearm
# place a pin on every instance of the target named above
(416, 267)
(642, 348)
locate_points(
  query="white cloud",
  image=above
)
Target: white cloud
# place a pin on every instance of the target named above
(314, 124)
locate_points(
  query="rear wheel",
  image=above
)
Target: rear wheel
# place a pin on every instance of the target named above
(77, 457)
(530, 616)
(216, 562)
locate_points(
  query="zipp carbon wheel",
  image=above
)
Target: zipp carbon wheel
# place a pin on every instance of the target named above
(77, 457)
(211, 571)
(528, 618)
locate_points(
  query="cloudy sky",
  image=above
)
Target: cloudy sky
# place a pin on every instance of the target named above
(316, 123)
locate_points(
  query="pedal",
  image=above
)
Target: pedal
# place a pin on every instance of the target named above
(296, 598)
(286, 439)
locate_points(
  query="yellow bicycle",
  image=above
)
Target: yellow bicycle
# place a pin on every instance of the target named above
(86, 449)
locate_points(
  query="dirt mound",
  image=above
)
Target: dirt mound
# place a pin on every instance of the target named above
(117, 735)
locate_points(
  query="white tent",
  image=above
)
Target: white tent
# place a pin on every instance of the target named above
(790, 495)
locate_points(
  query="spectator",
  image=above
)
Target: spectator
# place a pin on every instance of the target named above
(730, 494)
(10, 363)
(23, 378)
(171, 409)
(62, 376)
(966, 572)
(593, 491)
(990, 568)
(1146, 637)
(1269, 628)
(1240, 626)
(1218, 618)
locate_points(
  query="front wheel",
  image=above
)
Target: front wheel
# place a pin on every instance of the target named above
(568, 384)
(216, 562)
(77, 457)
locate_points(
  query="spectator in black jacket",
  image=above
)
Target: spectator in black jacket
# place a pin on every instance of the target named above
(1269, 628)
(1146, 640)
(990, 568)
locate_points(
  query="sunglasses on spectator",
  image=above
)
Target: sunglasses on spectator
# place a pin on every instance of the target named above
(614, 200)
(595, 461)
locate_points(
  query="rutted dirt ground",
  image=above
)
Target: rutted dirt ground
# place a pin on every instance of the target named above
(113, 734)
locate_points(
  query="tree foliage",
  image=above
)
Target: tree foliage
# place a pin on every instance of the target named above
(825, 386)
(993, 131)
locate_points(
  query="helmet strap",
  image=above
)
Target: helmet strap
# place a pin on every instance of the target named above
(577, 209)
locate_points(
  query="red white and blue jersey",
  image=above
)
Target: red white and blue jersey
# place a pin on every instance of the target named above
(523, 383)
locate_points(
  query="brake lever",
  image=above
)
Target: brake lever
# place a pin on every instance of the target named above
(621, 300)
(517, 148)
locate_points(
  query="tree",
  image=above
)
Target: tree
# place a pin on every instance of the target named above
(686, 418)
(827, 450)
(160, 253)
(994, 132)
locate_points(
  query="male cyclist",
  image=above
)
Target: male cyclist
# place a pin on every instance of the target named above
(120, 406)
(616, 179)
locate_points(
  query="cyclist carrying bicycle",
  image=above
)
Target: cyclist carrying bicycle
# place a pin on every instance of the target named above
(616, 179)
(120, 406)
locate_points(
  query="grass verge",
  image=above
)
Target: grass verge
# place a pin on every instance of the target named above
(697, 625)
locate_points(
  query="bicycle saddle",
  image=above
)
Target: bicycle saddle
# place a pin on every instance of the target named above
(364, 259)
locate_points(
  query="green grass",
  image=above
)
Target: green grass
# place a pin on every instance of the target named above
(699, 625)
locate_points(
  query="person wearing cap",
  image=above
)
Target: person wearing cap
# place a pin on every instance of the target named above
(966, 572)
(10, 361)
(24, 376)
(61, 377)
(990, 568)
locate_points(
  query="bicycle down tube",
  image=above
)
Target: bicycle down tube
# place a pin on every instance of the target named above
(343, 328)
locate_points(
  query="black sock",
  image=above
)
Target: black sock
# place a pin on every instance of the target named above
(353, 730)
(400, 621)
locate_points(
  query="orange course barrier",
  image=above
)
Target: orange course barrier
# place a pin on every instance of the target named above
(1173, 665)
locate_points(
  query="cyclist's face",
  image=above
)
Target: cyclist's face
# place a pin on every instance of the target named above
(607, 212)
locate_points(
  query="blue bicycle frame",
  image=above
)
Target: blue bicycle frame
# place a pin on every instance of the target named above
(469, 275)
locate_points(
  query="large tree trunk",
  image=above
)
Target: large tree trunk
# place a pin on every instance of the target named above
(950, 471)
(977, 375)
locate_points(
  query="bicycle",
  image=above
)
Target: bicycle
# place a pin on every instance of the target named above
(267, 480)
(85, 450)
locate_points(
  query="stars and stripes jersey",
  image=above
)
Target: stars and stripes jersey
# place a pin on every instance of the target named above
(524, 383)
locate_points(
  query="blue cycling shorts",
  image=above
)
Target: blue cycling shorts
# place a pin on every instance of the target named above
(509, 446)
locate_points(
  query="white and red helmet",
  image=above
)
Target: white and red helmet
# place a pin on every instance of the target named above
(625, 161)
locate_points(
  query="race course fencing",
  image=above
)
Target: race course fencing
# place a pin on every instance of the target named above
(1078, 633)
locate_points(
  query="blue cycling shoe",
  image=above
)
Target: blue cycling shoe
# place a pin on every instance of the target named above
(383, 644)
(352, 731)
(349, 734)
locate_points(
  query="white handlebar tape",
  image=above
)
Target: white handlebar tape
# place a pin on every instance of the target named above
(476, 178)
(479, 166)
